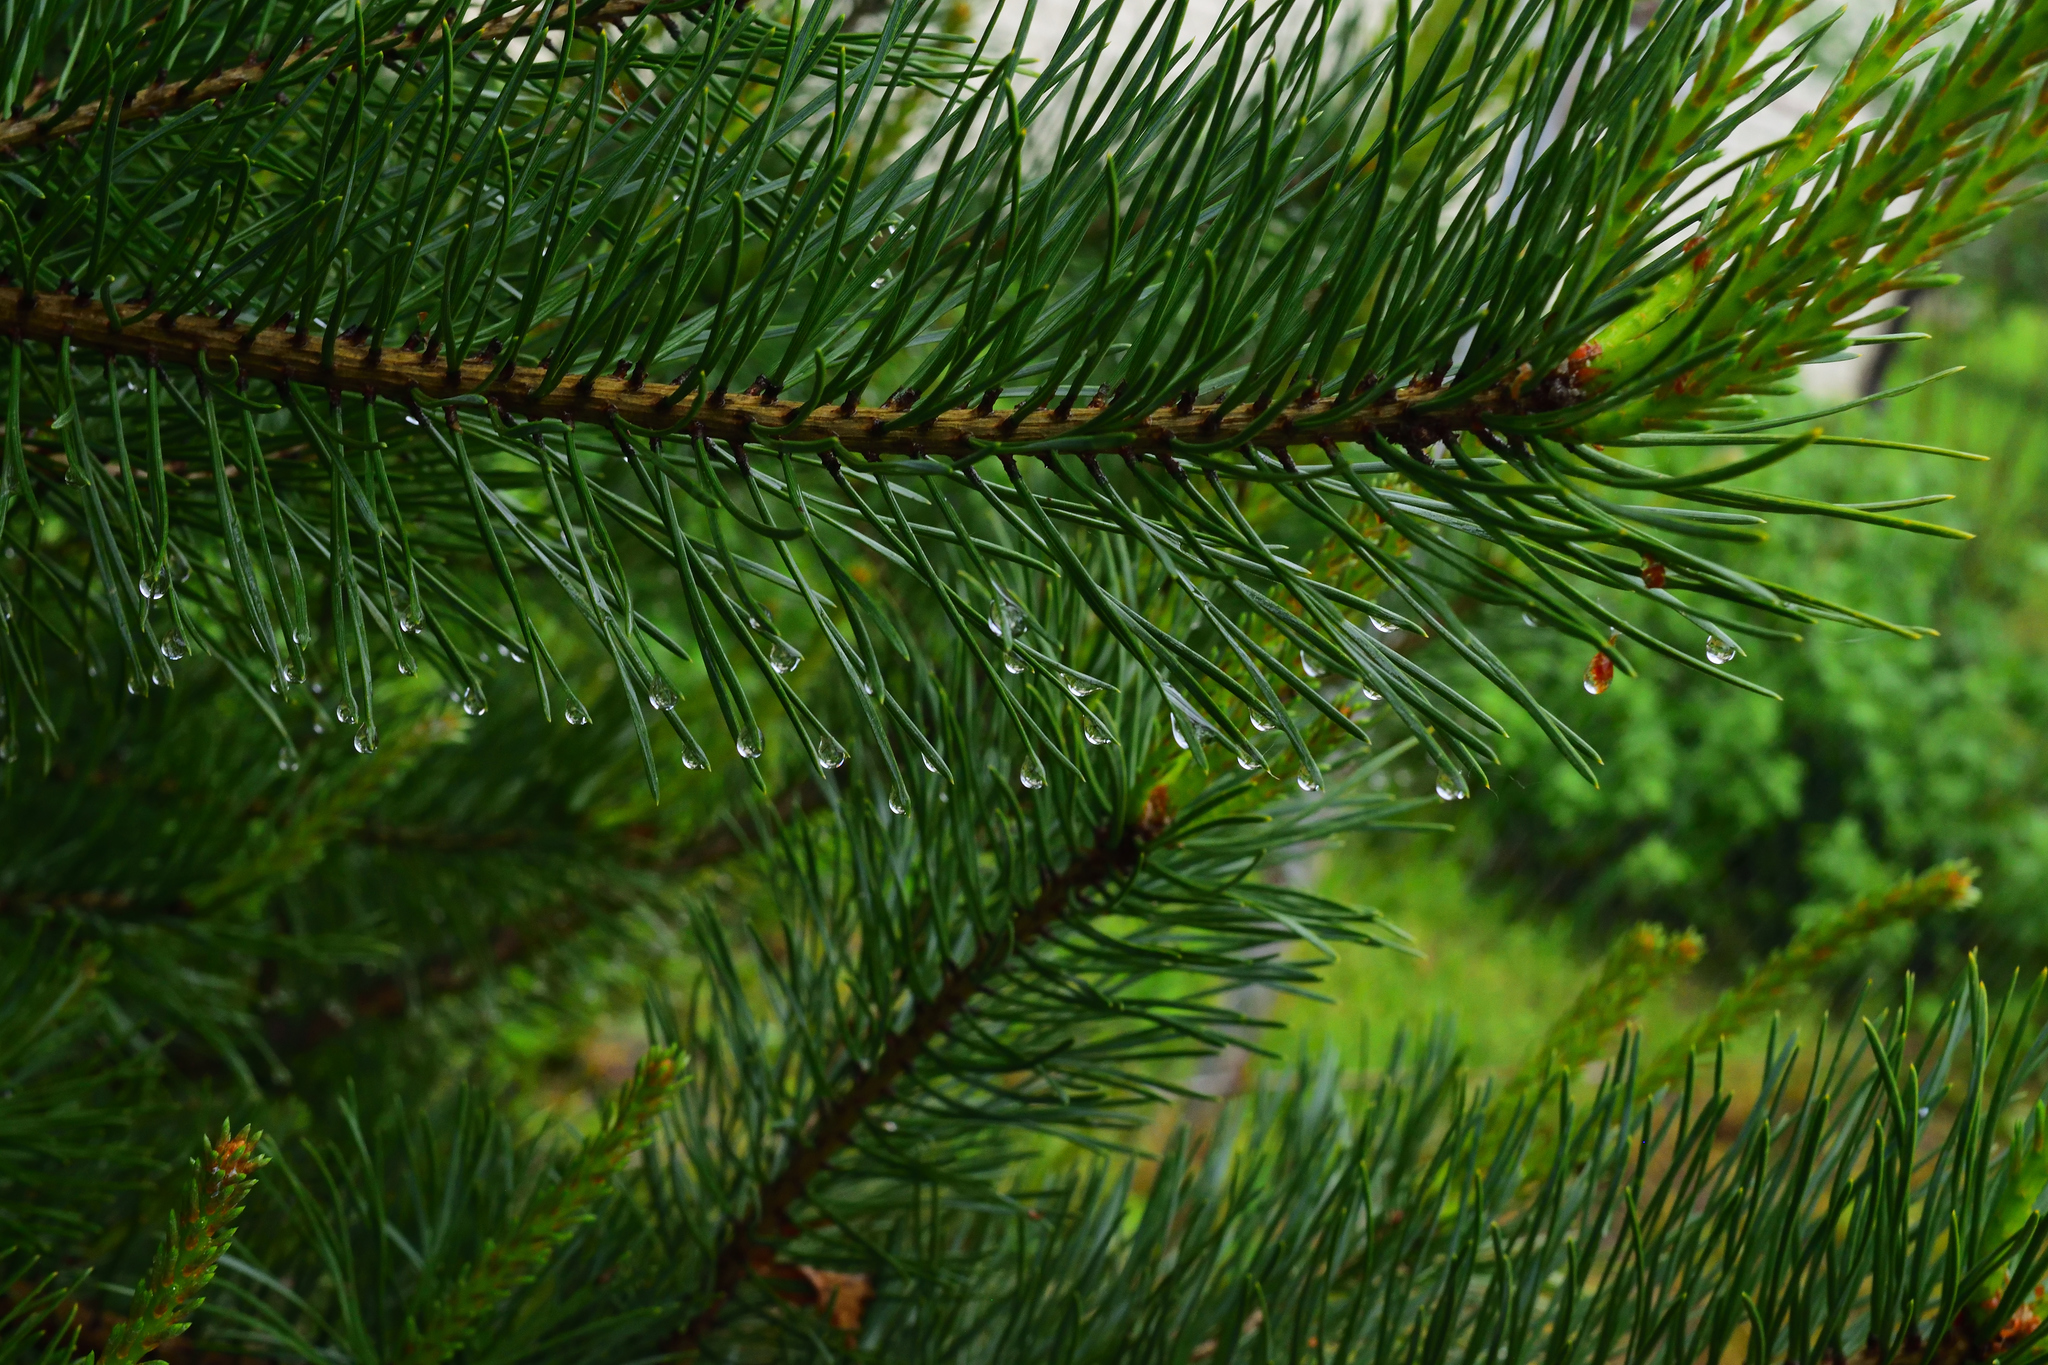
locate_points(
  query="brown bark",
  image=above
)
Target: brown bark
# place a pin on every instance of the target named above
(160, 98)
(276, 354)
(748, 1247)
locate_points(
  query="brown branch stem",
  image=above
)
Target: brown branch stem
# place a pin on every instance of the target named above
(160, 98)
(281, 356)
(746, 1247)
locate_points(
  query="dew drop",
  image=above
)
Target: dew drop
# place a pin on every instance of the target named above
(133, 690)
(1529, 620)
(749, 742)
(1720, 649)
(345, 712)
(1308, 667)
(828, 752)
(318, 728)
(661, 696)
(1307, 783)
(782, 656)
(366, 738)
(1599, 673)
(1078, 686)
(1032, 774)
(172, 647)
(1263, 723)
(899, 800)
(1094, 731)
(1013, 662)
(407, 667)
(1250, 761)
(474, 703)
(1451, 787)
(1366, 691)
(693, 756)
(1005, 613)
(1383, 627)
(1173, 722)
(576, 713)
(929, 765)
(287, 760)
(409, 622)
(151, 586)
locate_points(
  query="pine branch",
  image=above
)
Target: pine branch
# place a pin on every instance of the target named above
(1408, 417)
(1948, 888)
(386, 996)
(200, 1234)
(518, 1260)
(161, 98)
(748, 1247)
(1638, 961)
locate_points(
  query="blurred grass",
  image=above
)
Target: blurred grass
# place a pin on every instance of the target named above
(1501, 976)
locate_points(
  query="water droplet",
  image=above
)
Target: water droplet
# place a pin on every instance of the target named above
(899, 800)
(1013, 662)
(1308, 667)
(1365, 690)
(1076, 685)
(318, 728)
(693, 754)
(782, 656)
(1032, 774)
(345, 712)
(1599, 673)
(1383, 627)
(151, 586)
(1529, 620)
(474, 703)
(576, 713)
(749, 742)
(409, 622)
(1005, 613)
(929, 765)
(661, 696)
(133, 690)
(408, 667)
(1451, 787)
(1093, 730)
(1263, 723)
(292, 672)
(1250, 761)
(1720, 649)
(172, 647)
(828, 752)
(1173, 723)
(878, 282)
(287, 760)
(1307, 783)
(366, 738)
(1653, 573)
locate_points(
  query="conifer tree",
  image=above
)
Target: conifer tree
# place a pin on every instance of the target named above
(1116, 427)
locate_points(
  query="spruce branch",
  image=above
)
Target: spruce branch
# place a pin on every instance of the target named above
(748, 1247)
(200, 1234)
(508, 1265)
